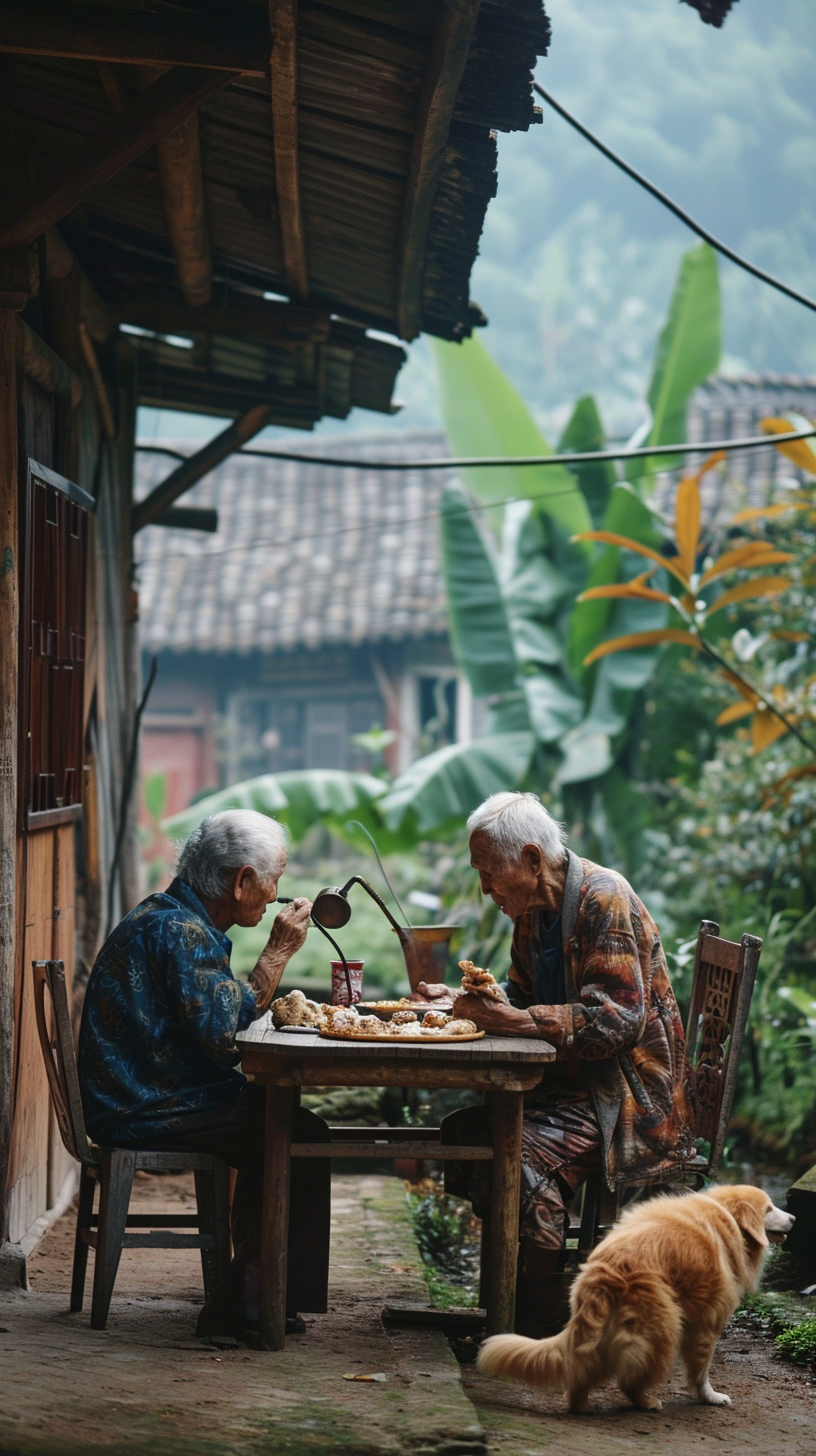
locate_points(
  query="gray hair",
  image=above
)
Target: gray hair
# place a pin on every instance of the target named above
(223, 843)
(512, 819)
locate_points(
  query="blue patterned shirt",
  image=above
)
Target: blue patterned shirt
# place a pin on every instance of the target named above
(161, 1012)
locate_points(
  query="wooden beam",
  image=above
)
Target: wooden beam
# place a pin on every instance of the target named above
(267, 322)
(283, 23)
(199, 465)
(99, 386)
(167, 103)
(182, 189)
(449, 53)
(47, 369)
(9, 634)
(189, 518)
(239, 42)
(60, 263)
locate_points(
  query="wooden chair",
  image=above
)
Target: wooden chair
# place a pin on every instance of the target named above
(113, 1170)
(721, 991)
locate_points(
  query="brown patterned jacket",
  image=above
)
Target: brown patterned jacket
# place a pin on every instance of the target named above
(620, 1027)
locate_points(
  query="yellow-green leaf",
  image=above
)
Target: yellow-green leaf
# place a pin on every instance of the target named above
(798, 451)
(761, 586)
(627, 589)
(687, 521)
(732, 713)
(759, 513)
(753, 553)
(765, 729)
(611, 538)
(642, 639)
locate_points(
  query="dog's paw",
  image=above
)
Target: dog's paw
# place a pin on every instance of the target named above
(650, 1402)
(710, 1396)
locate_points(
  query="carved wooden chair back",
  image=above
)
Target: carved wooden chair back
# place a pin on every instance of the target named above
(724, 976)
(57, 1047)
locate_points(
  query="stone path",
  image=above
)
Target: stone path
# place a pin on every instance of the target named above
(146, 1385)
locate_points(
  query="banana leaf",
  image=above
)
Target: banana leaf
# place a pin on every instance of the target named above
(479, 629)
(585, 432)
(441, 789)
(688, 351)
(297, 798)
(485, 415)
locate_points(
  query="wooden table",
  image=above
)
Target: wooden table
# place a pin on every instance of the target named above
(502, 1067)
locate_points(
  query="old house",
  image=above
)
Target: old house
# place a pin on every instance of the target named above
(205, 208)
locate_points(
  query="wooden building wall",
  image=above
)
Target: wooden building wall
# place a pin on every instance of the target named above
(56, 888)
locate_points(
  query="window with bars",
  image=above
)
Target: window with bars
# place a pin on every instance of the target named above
(53, 627)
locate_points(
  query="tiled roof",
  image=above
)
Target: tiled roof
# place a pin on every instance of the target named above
(730, 409)
(308, 556)
(304, 555)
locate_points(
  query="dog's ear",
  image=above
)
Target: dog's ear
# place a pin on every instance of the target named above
(750, 1216)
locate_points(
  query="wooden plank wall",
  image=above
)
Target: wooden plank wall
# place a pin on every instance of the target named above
(38, 1164)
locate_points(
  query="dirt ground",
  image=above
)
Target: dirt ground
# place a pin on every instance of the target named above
(146, 1385)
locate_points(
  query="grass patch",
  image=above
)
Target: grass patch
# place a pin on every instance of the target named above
(799, 1344)
(448, 1238)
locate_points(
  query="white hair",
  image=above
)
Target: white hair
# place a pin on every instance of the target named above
(223, 843)
(512, 819)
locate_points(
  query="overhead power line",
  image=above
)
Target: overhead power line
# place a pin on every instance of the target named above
(673, 206)
(481, 462)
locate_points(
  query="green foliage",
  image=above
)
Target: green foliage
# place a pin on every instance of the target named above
(485, 415)
(688, 351)
(447, 1235)
(799, 1344)
(298, 798)
(432, 795)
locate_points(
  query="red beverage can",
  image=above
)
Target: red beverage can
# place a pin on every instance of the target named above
(339, 985)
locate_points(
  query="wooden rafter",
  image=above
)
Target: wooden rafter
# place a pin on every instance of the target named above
(191, 471)
(283, 23)
(182, 189)
(102, 33)
(265, 322)
(449, 53)
(167, 103)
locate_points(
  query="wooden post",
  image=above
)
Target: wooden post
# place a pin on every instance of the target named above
(9, 636)
(500, 1275)
(283, 21)
(280, 1103)
(182, 189)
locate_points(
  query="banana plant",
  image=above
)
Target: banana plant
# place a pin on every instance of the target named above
(517, 631)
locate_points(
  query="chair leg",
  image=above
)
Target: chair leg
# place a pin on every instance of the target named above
(87, 1184)
(117, 1168)
(212, 1192)
(590, 1208)
(484, 1258)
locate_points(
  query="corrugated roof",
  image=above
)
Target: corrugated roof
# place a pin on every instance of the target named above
(304, 556)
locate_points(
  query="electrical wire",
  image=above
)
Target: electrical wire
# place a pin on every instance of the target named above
(673, 206)
(480, 462)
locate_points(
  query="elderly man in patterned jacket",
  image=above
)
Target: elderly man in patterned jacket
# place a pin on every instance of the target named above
(587, 974)
(157, 1053)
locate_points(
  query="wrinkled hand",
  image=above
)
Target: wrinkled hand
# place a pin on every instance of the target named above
(288, 930)
(431, 991)
(286, 936)
(498, 1017)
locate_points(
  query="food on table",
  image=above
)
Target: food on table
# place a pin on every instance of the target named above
(404, 1017)
(385, 1005)
(295, 1009)
(477, 982)
(434, 1019)
(461, 1026)
(339, 1018)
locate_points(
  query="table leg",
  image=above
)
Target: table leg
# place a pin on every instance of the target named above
(503, 1224)
(280, 1103)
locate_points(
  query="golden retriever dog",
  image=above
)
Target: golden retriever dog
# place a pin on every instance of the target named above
(664, 1282)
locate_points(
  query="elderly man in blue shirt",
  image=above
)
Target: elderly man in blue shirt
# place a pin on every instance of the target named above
(157, 1053)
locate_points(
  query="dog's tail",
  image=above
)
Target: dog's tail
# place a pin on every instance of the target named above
(538, 1362)
(615, 1316)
